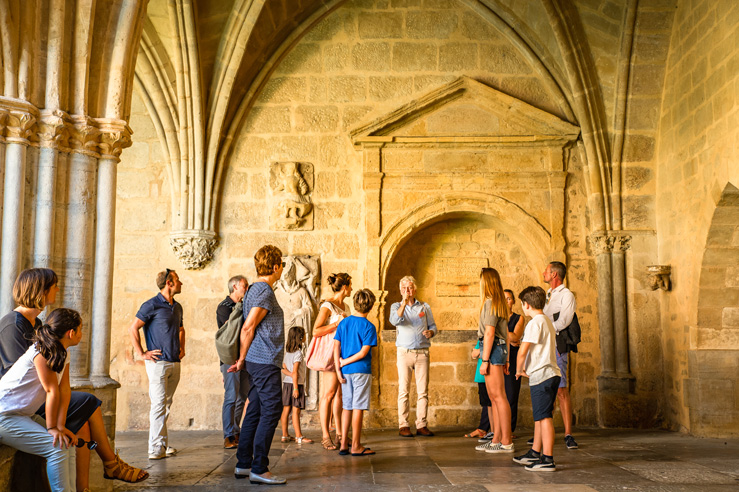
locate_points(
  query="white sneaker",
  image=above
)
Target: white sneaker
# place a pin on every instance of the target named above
(484, 446)
(501, 448)
(171, 451)
(158, 456)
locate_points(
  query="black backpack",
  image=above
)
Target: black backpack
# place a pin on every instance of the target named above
(568, 338)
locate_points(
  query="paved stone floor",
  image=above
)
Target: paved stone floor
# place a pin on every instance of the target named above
(608, 460)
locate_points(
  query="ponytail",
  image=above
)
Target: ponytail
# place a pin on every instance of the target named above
(47, 337)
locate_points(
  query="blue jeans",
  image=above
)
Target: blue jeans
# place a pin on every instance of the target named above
(236, 388)
(262, 416)
(22, 433)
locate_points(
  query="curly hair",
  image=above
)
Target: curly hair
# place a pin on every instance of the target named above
(266, 258)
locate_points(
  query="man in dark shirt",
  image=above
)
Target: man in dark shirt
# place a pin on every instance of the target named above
(161, 319)
(235, 384)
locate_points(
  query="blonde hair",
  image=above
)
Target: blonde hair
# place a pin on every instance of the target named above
(492, 288)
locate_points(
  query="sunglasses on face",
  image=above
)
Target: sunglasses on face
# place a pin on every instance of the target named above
(90, 444)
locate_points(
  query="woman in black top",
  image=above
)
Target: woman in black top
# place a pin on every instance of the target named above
(34, 289)
(515, 332)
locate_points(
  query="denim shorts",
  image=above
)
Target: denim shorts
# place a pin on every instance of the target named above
(499, 354)
(562, 361)
(355, 393)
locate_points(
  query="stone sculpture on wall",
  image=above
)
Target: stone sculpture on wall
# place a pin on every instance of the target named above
(297, 293)
(291, 184)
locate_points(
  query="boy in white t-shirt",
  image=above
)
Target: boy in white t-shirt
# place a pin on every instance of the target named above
(537, 360)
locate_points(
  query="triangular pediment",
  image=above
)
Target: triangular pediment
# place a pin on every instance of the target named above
(466, 109)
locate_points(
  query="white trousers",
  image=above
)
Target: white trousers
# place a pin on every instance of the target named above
(163, 380)
(24, 434)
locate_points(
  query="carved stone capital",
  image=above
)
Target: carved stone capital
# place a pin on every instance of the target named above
(114, 137)
(84, 136)
(54, 129)
(621, 243)
(20, 126)
(194, 248)
(602, 243)
(659, 277)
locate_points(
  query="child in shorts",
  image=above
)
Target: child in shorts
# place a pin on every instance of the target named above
(355, 336)
(537, 360)
(293, 384)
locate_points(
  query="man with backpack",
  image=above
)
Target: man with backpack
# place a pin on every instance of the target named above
(235, 384)
(560, 309)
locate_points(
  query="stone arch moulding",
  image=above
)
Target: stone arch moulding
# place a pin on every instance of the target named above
(463, 148)
(536, 240)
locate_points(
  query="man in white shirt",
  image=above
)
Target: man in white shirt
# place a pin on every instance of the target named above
(415, 327)
(560, 309)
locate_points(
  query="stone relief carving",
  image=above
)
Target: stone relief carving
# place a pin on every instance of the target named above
(194, 249)
(297, 294)
(659, 277)
(291, 184)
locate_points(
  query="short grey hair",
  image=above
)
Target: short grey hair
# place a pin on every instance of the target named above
(233, 282)
(408, 279)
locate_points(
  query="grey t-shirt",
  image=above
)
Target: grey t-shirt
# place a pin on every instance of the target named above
(489, 319)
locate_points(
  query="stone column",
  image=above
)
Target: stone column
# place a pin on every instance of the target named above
(112, 142)
(77, 271)
(602, 245)
(18, 130)
(53, 136)
(620, 310)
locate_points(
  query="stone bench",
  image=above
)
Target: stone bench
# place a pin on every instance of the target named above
(21, 471)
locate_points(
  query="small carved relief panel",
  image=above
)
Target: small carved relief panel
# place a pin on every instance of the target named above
(291, 186)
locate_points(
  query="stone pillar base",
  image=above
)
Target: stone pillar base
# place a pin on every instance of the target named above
(619, 406)
(104, 388)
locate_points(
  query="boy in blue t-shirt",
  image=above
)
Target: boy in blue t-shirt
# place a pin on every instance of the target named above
(353, 341)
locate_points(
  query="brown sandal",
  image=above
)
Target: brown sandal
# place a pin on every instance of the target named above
(328, 444)
(118, 469)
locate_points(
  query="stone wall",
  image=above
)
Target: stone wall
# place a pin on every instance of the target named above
(359, 63)
(697, 156)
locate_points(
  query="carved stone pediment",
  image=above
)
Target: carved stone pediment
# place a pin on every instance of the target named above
(466, 112)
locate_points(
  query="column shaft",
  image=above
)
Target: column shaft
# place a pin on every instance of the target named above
(14, 193)
(620, 316)
(103, 281)
(45, 191)
(605, 313)
(78, 263)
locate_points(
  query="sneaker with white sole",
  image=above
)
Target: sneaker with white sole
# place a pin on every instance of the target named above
(501, 448)
(542, 465)
(171, 451)
(486, 438)
(527, 458)
(530, 442)
(158, 456)
(484, 446)
(570, 442)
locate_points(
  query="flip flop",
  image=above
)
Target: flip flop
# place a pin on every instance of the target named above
(364, 452)
(344, 452)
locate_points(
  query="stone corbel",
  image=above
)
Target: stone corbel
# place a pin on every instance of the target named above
(659, 277)
(194, 249)
(54, 129)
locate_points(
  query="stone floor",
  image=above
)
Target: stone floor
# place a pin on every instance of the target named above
(608, 460)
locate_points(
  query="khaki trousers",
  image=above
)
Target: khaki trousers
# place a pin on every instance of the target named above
(409, 361)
